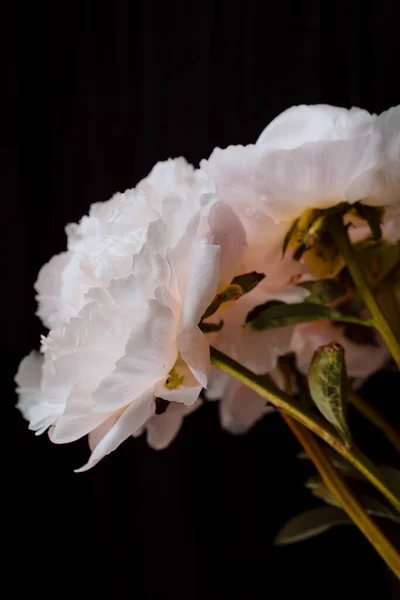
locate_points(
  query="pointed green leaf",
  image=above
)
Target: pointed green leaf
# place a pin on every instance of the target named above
(324, 291)
(391, 474)
(248, 281)
(342, 465)
(211, 327)
(311, 523)
(371, 503)
(327, 379)
(373, 215)
(242, 284)
(232, 292)
(274, 314)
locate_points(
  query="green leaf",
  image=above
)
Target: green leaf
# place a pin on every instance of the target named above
(248, 281)
(371, 503)
(311, 523)
(342, 465)
(373, 215)
(324, 291)
(274, 314)
(391, 474)
(242, 284)
(211, 327)
(232, 292)
(327, 379)
(289, 235)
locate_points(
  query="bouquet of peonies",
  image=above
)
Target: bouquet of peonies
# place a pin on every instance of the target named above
(269, 277)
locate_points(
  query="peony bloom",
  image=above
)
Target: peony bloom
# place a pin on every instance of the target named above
(134, 337)
(313, 157)
(232, 170)
(102, 245)
(320, 156)
(362, 359)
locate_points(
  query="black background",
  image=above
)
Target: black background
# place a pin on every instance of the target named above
(95, 96)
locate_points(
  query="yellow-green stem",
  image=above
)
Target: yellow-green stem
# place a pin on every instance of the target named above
(376, 418)
(266, 389)
(335, 482)
(342, 240)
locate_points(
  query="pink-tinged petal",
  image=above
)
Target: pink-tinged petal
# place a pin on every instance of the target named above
(29, 372)
(218, 384)
(49, 290)
(95, 436)
(317, 175)
(195, 351)
(388, 124)
(39, 413)
(150, 354)
(202, 283)
(78, 418)
(187, 394)
(241, 408)
(228, 233)
(256, 350)
(361, 359)
(137, 413)
(162, 429)
(301, 124)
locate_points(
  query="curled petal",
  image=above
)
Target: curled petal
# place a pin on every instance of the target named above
(137, 413)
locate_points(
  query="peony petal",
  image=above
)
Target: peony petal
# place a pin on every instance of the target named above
(202, 283)
(361, 360)
(317, 175)
(95, 436)
(149, 355)
(49, 290)
(301, 124)
(162, 429)
(218, 384)
(131, 419)
(78, 418)
(29, 372)
(241, 408)
(195, 351)
(230, 235)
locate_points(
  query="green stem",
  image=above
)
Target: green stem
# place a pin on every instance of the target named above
(339, 488)
(340, 235)
(263, 386)
(376, 418)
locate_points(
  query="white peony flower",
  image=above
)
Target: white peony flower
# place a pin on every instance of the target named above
(312, 157)
(362, 360)
(102, 245)
(317, 157)
(136, 338)
(233, 171)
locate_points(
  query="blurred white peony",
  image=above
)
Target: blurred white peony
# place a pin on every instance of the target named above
(362, 360)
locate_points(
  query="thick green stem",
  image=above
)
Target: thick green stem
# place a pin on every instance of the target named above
(337, 485)
(266, 389)
(385, 328)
